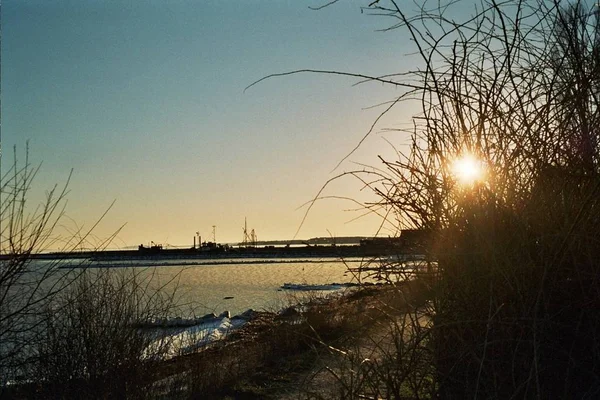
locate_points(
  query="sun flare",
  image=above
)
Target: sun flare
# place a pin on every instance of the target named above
(467, 169)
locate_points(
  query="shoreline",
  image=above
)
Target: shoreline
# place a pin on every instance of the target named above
(272, 355)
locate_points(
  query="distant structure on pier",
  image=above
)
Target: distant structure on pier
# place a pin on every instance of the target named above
(153, 248)
(249, 239)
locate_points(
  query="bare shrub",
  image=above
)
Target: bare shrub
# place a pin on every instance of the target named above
(28, 283)
(514, 85)
(65, 330)
(93, 346)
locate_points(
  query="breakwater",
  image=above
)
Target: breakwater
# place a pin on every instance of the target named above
(267, 252)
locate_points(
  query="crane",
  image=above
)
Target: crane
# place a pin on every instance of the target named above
(249, 239)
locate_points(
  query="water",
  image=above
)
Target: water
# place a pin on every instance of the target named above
(236, 285)
(202, 286)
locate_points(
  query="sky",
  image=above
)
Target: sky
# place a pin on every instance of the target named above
(145, 102)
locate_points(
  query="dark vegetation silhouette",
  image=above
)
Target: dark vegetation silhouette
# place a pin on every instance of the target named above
(24, 286)
(513, 311)
(91, 346)
(66, 331)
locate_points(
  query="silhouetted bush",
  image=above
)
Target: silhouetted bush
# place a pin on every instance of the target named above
(92, 346)
(516, 292)
(67, 331)
(27, 285)
(516, 301)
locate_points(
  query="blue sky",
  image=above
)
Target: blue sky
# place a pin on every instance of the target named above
(145, 101)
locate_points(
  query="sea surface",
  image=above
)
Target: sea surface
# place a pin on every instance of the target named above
(236, 285)
(201, 286)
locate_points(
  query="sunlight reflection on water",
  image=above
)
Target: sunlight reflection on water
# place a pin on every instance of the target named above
(258, 286)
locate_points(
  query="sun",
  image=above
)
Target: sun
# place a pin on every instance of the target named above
(467, 169)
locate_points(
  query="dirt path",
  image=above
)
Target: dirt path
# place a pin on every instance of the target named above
(344, 366)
